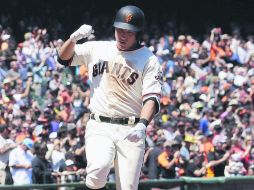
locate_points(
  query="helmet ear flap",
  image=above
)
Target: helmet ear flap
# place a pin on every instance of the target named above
(139, 37)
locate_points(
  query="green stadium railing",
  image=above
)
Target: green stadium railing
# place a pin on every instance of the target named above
(184, 183)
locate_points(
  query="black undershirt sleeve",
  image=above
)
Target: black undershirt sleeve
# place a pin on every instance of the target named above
(64, 62)
(156, 103)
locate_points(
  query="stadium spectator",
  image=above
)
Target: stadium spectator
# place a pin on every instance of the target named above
(20, 162)
(42, 172)
(168, 159)
(5, 148)
(196, 166)
(152, 168)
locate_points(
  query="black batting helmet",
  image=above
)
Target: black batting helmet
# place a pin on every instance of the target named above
(130, 18)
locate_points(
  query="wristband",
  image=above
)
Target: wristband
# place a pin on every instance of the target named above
(144, 121)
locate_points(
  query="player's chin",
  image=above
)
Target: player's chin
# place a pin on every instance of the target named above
(122, 46)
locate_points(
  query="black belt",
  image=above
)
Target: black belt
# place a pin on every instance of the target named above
(122, 121)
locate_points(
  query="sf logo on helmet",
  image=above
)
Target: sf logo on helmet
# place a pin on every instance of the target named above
(128, 17)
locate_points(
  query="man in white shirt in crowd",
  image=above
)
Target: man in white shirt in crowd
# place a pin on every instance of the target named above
(20, 163)
(5, 148)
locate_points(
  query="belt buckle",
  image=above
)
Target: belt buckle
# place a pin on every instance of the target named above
(131, 120)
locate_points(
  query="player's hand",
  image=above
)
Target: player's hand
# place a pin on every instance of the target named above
(136, 133)
(83, 32)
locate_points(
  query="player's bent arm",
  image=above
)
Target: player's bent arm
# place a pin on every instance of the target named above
(66, 52)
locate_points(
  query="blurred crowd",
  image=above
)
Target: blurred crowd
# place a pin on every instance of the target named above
(43, 112)
(204, 129)
(206, 124)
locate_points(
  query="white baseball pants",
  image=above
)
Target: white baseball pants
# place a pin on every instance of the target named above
(105, 145)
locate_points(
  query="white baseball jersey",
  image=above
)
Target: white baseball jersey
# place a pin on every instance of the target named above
(120, 80)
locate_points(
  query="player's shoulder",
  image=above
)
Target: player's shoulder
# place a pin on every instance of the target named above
(143, 53)
(146, 50)
(149, 54)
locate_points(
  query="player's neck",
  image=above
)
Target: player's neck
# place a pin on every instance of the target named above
(135, 46)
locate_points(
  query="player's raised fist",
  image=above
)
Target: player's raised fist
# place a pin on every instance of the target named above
(83, 32)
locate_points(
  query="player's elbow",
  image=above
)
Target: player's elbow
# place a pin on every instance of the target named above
(62, 60)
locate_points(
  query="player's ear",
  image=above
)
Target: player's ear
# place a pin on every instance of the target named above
(139, 37)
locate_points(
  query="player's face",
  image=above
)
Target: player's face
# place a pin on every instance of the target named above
(125, 39)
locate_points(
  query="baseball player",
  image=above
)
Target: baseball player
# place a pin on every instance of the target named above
(125, 94)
